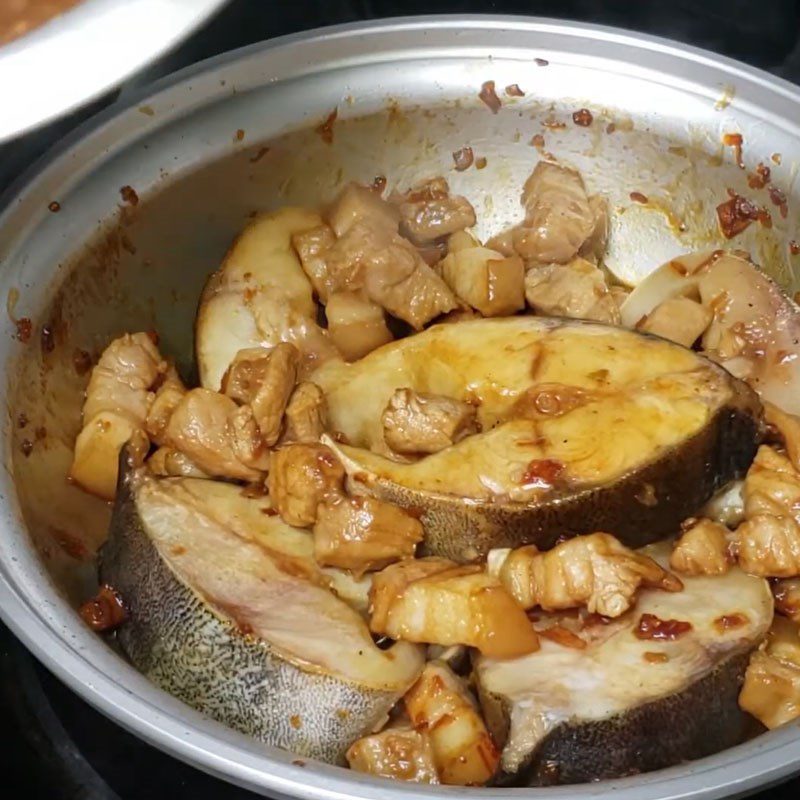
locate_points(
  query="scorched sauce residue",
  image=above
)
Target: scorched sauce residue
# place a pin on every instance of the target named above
(736, 213)
(105, 611)
(542, 473)
(651, 627)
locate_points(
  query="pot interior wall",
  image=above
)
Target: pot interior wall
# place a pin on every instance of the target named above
(142, 266)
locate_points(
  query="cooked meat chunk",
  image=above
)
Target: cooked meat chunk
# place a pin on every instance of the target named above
(577, 290)
(363, 534)
(727, 506)
(398, 279)
(123, 377)
(428, 211)
(402, 753)
(594, 248)
(115, 410)
(787, 598)
(245, 374)
(359, 204)
(436, 601)
(246, 440)
(167, 462)
(772, 485)
(415, 422)
(202, 427)
(169, 393)
(461, 240)
(768, 541)
(503, 242)
(392, 273)
(440, 703)
(301, 476)
(558, 216)
(595, 571)
(702, 549)
(97, 448)
(356, 325)
(264, 379)
(788, 426)
(769, 546)
(485, 279)
(771, 691)
(312, 247)
(306, 414)
(679, 319)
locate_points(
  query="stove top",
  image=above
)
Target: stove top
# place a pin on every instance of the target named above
(53, 744)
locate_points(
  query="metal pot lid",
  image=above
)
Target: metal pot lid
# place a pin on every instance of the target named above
(77, 56)
(242, 100)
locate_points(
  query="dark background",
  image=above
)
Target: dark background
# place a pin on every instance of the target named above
(52, 745)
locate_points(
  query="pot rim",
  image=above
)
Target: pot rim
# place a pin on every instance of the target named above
(149, 712)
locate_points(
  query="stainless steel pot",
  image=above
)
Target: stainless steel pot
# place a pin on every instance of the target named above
(221, 139)
(89, 49)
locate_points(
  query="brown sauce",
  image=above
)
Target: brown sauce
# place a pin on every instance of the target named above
(583, 117)
(563, 636)
(651, 627)
(736, 213)
(542, 472)
(488, 95)
(729, 622)
(105, 611)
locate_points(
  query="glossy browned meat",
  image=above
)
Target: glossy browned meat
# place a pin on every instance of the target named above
(440, 703)
(483, 278)
(577, 290)
(558, 215)
(363, 534)
(679, 319)
(312, 247)
(702, 550)
(120, 382)
(595, 571)
(169, 393)
(356, 325)
(416, 422)
(264, 378)
(436, 601)
(392, 273)
(360, 204)
(301, 476)
(205, 427)
(401, 753)
(428, 211)
(306, 414)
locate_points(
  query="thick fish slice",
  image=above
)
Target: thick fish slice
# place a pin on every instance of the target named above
(586, 427)
(243, 633)
(625, 705)
(258, 297)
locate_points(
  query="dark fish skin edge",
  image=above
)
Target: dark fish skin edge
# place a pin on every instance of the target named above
(703, 719)
(682, 482)
(181, 645)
